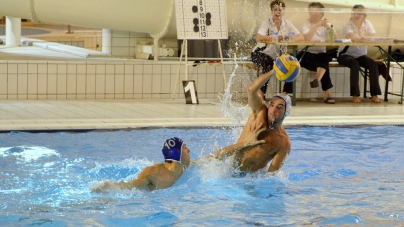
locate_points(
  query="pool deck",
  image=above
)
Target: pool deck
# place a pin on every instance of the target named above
(44, 115)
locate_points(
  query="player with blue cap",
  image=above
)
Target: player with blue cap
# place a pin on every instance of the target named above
(172, 149)
(159, 176)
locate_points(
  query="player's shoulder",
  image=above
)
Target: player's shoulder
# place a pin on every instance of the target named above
(153, 168)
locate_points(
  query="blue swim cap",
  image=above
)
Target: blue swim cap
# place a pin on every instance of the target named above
(172, 149)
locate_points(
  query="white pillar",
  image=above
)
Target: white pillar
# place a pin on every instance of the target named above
(156, 49)
(13, 31)
(106, 41)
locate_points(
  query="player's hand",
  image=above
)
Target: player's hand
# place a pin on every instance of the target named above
(102, 187)
(254, 131)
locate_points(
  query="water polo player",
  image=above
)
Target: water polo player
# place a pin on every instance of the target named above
(270, 119)
(159, 176)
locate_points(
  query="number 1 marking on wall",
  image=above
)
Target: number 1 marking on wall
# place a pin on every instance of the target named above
(191, 96)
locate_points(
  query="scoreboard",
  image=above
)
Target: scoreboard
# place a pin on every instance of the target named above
(201, 19)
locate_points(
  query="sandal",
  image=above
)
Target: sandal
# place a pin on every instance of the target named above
(329, 100)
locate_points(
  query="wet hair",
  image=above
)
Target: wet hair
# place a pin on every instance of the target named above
(316, 4)
(277, 2)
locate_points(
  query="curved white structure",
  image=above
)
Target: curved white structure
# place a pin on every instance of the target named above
(154, 17)
(151, 16)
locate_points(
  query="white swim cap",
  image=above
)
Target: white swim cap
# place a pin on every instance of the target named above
(288, 103)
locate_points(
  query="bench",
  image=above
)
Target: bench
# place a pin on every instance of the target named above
(364, 73)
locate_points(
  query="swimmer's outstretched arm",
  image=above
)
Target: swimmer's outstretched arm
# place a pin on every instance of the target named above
(249, 141)
(229, 150)
(141, 182)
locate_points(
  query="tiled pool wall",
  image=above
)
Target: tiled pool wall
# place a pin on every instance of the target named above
(148, 79)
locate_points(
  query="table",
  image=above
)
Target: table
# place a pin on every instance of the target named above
(379, 45)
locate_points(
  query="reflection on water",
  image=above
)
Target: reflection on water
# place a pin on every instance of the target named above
(333, 176)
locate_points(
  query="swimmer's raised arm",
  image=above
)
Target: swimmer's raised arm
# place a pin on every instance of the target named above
(255, 97)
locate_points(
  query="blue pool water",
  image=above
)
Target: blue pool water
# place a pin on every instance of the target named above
(333, 176)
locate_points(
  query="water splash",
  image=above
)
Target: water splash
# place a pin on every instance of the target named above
(27, 153)
(236, 112)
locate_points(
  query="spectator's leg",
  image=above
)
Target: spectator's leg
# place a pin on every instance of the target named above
(288, 87)
(371, 65)
(326, 85)
(311, 62)
(351, 63)
(322, 61)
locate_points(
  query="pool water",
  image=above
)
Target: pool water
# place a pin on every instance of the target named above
(334, 176)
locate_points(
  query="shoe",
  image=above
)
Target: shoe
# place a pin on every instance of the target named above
(314, 83)
(329, 100)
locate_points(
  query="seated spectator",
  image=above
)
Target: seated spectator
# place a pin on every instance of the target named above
(265, 56)
(358, 29)
(316, 29)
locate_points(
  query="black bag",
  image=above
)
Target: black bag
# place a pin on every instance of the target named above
(332, 52)
(383, 70)
(398, 55)
(257, 55)
(263, 61)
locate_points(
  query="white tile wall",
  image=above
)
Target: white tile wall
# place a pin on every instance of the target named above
(71, 84)
(52, 85)
(3, 68)
(148, 79)
(22, 85)
(12, 85)
(119, 86)
(12, 68)
(90, 86)
(128, 85)
(109, 85)
(137, 84)
(42, 86)
(3, 85)
(62, 85)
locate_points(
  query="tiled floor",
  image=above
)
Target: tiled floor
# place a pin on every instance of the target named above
(119, 114)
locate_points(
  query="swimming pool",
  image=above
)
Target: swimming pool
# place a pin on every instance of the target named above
(333, 176)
